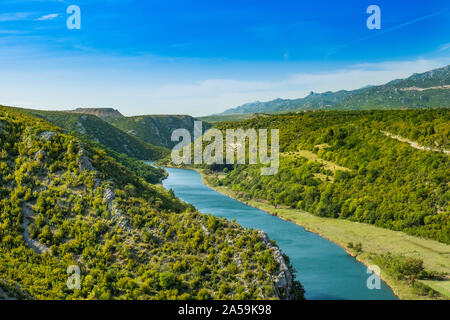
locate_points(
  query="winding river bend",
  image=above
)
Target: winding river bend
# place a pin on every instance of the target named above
(325, 269)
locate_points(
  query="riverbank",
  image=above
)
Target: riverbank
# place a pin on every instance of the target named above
(374, 240)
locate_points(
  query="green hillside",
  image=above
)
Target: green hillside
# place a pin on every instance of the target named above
(232, 117)
(156, 129)
(387, 168)
(65, 202)
(427, 90)
(100, 131)
(124, 148)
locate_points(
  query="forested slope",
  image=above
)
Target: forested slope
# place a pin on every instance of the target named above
(98, 130)
(156, 129)
(343, 165)
(125, 149)
(65, 202)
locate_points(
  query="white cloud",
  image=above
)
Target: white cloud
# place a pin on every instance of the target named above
(134, 92)
(22, 16)
(50, 16)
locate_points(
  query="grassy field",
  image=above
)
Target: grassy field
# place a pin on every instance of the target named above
(436, 255)
(443, 287)
(231, 117)
(328, 165)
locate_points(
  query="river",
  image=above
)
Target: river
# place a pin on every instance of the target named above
(324, 268)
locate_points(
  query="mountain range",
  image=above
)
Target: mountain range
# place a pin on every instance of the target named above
(425, 90)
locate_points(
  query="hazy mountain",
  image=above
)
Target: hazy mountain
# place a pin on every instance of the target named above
(429, 89)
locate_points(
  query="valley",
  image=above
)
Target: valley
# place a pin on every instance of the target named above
(65, 202)
(352, 176)
(365, 186)
(310, 255)
(374, 241)
(224, 159)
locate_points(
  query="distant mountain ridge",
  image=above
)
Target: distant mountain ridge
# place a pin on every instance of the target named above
(428, 89)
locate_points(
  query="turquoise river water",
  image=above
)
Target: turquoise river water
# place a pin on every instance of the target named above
(324, 268)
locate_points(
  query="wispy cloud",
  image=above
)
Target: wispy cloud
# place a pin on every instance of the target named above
(445, 47)
(50, 16)
(394, 28)
(417, 20)
(23, 16)
(14, 16)
(11, 32)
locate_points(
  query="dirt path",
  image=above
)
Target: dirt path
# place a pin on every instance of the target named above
(413, 144)
(38, 247)
(423, 89)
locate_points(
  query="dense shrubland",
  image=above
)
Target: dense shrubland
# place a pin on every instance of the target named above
(64, 201)
(411, 270)
(100, 131)
(156, 129)
(370, 177)
(124, 148)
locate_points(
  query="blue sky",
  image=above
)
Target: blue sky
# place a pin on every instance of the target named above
(201, 57)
